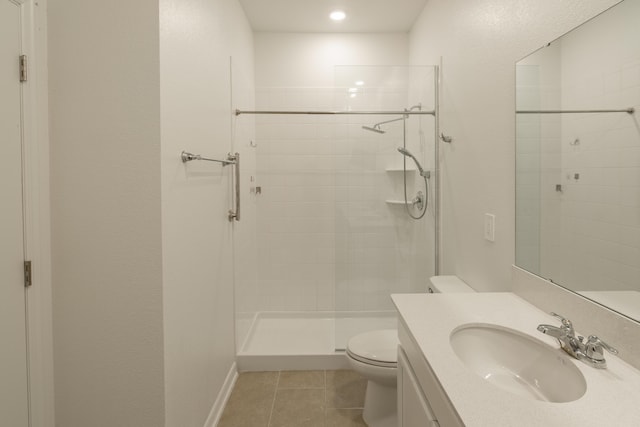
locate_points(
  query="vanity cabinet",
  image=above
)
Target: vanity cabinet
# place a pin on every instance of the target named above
(421, 400)
(413, 408)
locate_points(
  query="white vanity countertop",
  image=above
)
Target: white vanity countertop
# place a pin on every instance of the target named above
(612, 397)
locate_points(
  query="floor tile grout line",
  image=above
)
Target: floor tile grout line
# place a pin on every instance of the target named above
(300, 388)
(324, 401)
(273, 403)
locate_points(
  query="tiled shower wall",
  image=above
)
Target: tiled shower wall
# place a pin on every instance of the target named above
(326, 239)
(295, 227)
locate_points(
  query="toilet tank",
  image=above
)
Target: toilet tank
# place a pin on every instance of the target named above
(447, 284)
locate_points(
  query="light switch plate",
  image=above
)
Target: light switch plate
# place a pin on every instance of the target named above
(490, 227)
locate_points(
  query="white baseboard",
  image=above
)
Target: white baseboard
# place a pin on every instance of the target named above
(223, 396)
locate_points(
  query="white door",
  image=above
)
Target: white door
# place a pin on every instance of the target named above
(14, 410)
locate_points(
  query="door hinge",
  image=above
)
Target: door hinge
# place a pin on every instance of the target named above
(23, 68)
(28, 279)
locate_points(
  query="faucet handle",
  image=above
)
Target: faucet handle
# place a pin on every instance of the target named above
(565, 322)
(594, 346)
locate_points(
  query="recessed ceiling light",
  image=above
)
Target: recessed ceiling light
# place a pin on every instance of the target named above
(337, 15)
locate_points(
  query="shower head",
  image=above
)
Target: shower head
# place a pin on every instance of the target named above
(407, 153)
(374, 128)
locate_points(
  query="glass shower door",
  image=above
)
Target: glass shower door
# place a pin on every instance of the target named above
(379, 248)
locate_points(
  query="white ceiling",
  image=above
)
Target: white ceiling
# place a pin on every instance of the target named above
(312, 16)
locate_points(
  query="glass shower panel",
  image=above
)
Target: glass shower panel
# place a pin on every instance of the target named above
(379, 248)
(325, 237)
(293, 194)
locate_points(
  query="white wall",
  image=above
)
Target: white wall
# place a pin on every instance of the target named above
(479, 43)
(143, 271)
(197, 38)
(308, 59)
(106, 231)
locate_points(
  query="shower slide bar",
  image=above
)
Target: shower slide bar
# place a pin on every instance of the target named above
(337, 113)
(232, 159)
(625, 110)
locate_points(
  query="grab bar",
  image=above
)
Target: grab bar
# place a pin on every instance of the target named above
(235, 159)
(232, 159)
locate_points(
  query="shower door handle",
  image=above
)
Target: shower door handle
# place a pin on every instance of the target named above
(235, 158)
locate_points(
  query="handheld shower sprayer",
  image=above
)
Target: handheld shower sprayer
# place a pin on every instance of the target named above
(407, 153)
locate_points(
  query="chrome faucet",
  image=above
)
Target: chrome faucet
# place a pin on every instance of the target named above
(589, 351)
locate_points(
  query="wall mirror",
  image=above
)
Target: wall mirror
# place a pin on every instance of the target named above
(578, 160)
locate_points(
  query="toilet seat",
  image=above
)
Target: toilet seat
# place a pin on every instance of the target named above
(377, 348)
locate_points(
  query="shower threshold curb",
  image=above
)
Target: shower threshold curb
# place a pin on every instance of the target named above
(289, 362)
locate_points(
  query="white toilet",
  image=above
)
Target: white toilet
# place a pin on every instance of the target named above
(374, 355)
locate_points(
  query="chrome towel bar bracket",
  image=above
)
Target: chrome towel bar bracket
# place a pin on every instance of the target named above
(187, 157)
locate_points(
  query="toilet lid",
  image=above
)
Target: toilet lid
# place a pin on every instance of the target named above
(375, 347)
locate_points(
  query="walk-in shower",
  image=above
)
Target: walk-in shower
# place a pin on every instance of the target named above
(330, 240)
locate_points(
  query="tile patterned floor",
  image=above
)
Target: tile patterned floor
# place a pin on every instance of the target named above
(296, 399)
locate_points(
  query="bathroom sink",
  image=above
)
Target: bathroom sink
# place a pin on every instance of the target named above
(518, 363)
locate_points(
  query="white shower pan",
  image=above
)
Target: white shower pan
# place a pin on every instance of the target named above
(305, 340)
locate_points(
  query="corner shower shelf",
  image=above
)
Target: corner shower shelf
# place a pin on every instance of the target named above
(400, 170)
